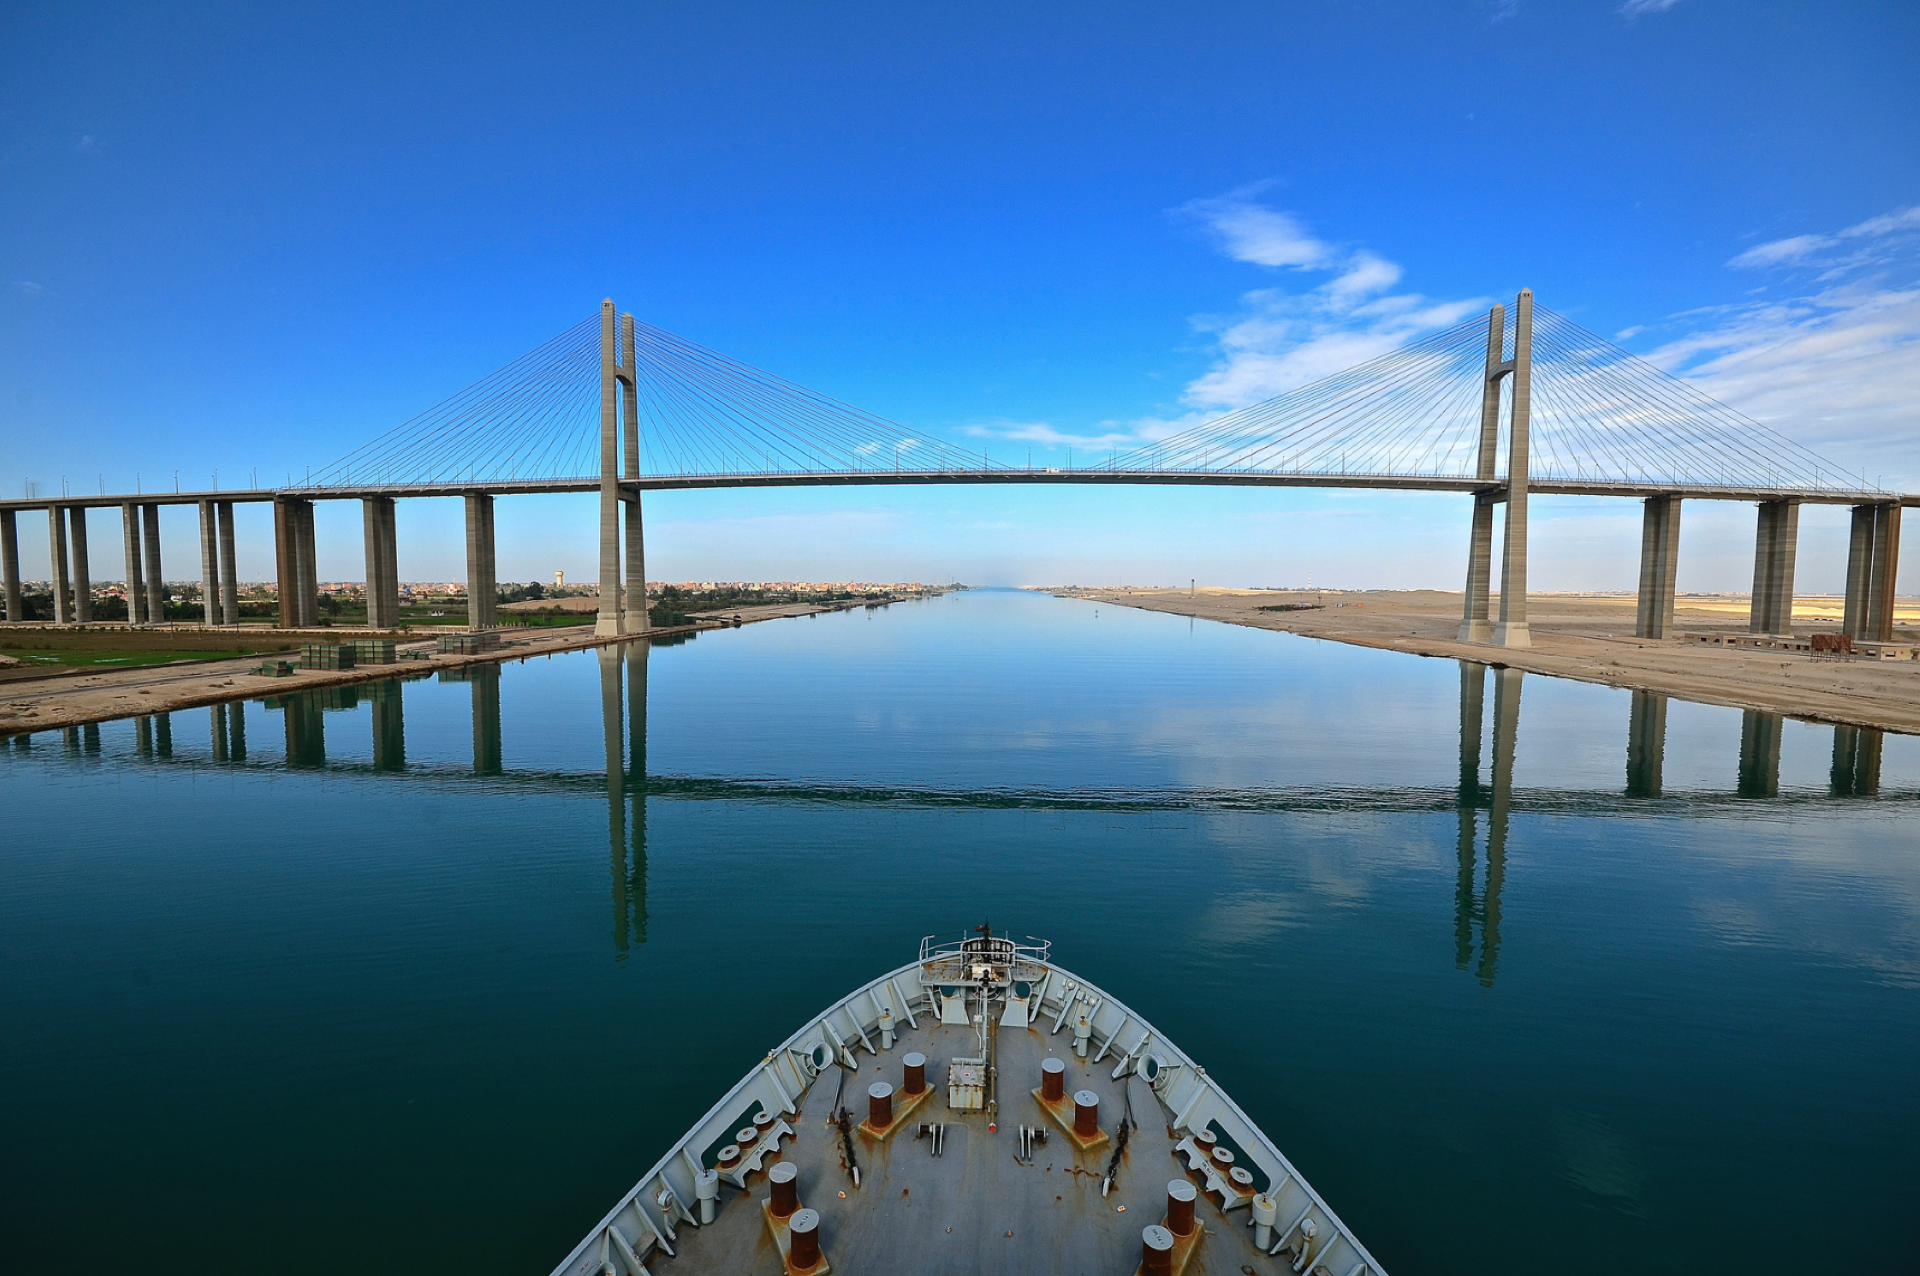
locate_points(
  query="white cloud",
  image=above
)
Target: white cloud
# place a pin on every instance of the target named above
(27, 288)
(1281, 340)
(1833, 364)
(1253, 232)
(1044, 435)
(1640, 8)
(1875, 240)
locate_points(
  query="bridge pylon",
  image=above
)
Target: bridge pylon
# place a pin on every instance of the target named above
(1476, 624)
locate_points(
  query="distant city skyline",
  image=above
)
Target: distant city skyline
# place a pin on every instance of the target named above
(244, 245)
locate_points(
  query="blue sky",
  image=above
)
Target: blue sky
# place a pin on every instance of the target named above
(249, 238)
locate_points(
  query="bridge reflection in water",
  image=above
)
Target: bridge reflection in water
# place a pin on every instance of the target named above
(1855, 773)
(1481, 861)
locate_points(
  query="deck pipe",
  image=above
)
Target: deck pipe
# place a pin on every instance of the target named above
(706, 1192)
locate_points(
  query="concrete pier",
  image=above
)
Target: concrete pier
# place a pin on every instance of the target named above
(1775, 545)
(229, 580)
(136, 577)
(483, 590)
(484, 682)
(383, 562)
(306, 728)
(1873, 569)
(1659, 561)
(209, 565)
(308, 559)
(389, 726)
(82, 567)
(1512, 629)
(293, 562)
(1759, 775)
(156, 609)
(607, 622)
(1475, 624)
(1856, 762)
(10, 565)
(57, 554)
(1646, 744)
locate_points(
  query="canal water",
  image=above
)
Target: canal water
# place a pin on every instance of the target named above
(1524, 975)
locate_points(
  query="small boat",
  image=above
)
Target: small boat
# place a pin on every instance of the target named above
(980, 1109)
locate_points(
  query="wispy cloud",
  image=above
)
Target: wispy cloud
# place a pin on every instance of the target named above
(27, 288)
(1640, 8)
(1881, 239)
(1279, 340)
(1105, 434)
(1834, 362)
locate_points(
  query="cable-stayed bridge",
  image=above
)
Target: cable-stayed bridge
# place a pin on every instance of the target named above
(1498, 407)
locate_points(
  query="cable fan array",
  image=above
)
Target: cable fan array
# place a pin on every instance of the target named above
(1414, 413)
(700, 414)
(1603, 415)
(1599, 415)
(536, 418)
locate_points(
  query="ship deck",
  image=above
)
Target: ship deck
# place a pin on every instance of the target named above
(975, 1208)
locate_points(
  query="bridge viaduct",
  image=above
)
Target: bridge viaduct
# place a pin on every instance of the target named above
(1427, 418)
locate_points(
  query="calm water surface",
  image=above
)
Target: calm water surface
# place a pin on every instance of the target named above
(1525, 975)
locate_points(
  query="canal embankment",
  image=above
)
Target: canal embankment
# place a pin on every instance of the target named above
(1589, 637)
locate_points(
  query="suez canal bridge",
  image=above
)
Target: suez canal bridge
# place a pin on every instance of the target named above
(1571, 413)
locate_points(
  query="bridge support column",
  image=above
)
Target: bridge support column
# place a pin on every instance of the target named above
(1759, 754)
(607, 623)
(156, 592)
(1474, 623)
(283, 560)
(1856, 762)
(1646, 743)
(82, 568)
(10, 564)
(209, 564)
(1512, 631)
(1774, 547)
(483, 589)
(57, 556)
(389, 727)
(136, 579)
(485, 692)
(1873, 564)
(229, 581)
(1659, 559)
(634, 612)
(381, 547)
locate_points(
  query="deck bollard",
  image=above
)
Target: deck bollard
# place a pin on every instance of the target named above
(1086, 1113)
(786, 1189)
(1156, 1251)
(1053, 1079)
(804, 1230)
(1180, 1198)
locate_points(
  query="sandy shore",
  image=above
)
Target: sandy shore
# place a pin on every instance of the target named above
(1590, 637)
(66, 698)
